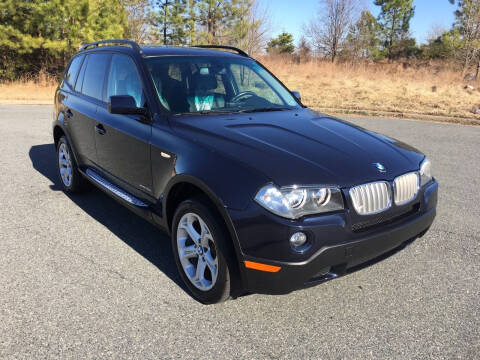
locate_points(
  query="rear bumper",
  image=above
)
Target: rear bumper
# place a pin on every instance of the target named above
(336, 259)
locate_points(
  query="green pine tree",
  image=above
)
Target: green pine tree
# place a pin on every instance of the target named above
(363, 38)
(282, 44)
(171, 21)
(223, 22)
(394, 20)
(42, 35)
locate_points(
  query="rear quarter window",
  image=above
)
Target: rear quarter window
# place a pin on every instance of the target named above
(79, 83)
(95, 73)
(72, 71)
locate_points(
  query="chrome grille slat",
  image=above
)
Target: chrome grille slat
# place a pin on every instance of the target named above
(406, 188)
(381, 195)
(371, 198)
(368, 200)
(377, 196)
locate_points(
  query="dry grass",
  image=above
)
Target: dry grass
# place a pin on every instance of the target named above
(381, 89)
(433, 90)
(29, 90)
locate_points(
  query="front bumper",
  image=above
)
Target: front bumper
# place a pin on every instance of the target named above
(337, 250)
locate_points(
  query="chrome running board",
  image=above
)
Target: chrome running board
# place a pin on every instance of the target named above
(114, 189)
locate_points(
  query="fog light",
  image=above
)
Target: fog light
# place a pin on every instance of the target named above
(298, 240)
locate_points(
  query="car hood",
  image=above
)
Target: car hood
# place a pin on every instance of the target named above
(301, 147)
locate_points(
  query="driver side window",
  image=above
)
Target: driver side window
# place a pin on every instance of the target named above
(123, 79)
(248, 80)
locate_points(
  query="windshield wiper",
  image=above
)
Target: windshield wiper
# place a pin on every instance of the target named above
(203, 112)
(210, 112)
(265, 109)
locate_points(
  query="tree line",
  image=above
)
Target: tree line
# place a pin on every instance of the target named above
(41, 35)
(345, 30)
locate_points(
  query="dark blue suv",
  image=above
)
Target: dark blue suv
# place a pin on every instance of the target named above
(258, 192)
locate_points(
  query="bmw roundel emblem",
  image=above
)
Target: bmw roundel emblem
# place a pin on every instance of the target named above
(380, 167)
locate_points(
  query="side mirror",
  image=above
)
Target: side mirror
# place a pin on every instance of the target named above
(297, 95)
(124, 104)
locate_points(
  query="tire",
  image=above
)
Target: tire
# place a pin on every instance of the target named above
(70, 178)
(212, 242)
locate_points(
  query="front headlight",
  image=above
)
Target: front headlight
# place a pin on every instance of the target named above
(296, 201)
(425, 172)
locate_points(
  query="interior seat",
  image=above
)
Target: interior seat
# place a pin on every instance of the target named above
(203, 96)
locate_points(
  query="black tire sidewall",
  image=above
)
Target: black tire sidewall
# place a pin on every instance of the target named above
(221, 290)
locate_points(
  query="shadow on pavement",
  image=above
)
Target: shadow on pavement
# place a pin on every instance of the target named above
(149, 241)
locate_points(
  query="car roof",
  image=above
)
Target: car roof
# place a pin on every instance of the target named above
(162, 50)
(152, 50)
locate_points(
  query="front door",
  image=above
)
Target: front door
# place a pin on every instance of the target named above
(123, 141)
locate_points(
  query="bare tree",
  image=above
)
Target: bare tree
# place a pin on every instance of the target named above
(259, 27)
(303, 50)
(436, 30)
(328, 29)
(468, 18)
(137, 19)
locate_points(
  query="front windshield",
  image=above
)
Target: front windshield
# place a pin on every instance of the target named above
(200, 84)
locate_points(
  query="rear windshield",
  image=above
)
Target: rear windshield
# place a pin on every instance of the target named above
(216, 84)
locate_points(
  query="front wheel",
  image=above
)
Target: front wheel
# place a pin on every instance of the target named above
(201, 251)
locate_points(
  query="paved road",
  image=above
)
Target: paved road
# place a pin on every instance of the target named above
(82, 277)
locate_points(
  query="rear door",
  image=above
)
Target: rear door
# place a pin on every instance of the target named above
(73, 109)
(123, 141)
(83, 107)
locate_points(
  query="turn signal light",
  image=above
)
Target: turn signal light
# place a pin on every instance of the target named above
(261, 267)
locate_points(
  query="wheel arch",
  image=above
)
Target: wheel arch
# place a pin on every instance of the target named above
(58, 132)
(183, 187)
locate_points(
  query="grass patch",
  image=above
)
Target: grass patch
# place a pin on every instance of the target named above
(29, 90)
(432, 90)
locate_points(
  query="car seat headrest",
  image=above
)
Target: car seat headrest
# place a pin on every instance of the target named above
(204, 82)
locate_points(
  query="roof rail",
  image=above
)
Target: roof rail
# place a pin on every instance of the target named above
(95, 44)
(237, 50)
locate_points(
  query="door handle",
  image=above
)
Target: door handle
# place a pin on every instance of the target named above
(100, 129)
(69, 113)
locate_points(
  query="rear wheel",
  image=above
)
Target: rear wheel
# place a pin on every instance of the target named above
(70, 178)
(201, 251)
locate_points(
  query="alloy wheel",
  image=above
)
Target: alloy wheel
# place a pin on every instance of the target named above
(65, 164)
(197, 251)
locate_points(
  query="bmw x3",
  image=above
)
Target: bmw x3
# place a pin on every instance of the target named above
(257, 192)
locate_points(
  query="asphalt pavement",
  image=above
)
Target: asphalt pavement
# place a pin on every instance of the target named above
(83, 277)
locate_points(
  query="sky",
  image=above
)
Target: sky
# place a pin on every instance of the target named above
(290, 15)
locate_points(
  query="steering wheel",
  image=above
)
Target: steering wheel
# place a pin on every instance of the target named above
(242, 95)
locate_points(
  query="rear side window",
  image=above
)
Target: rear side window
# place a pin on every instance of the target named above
(71, 73)
(94, 77)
